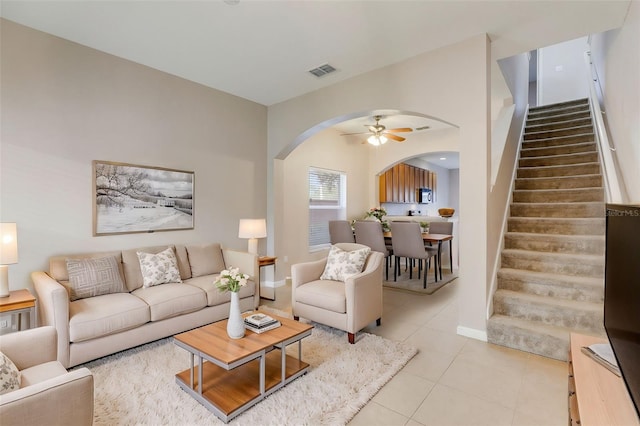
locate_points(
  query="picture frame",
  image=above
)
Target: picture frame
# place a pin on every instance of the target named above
(131, 198)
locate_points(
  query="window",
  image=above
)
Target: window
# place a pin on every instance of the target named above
(327, 201)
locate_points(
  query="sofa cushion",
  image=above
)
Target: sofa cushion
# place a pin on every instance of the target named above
(342, 264)
(94, 277)
(131, 265)
(103, 315)
(325, 294)
(205, 259)
(215, 296)
(170, 300)
(9, 375)
(41, 372)
(58, 264)
(159, 268)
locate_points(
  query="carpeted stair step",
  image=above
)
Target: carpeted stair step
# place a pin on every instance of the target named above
(556, 225)
(559, 170)
(579, 316)
(560, 116)
(571, 195)
(546, 134)
(560, 105)
(528, 336)
(576, 244)
(557, 109)
(559, 123)
(558, 150)
(559, 182)
(583, 289)
(575, 209)
(583, 265)
(559, 141)
(559, 160)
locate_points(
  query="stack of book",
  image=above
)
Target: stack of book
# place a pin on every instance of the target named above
(259, 323)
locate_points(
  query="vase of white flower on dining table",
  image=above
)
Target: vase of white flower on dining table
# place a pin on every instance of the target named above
(378, 213)
(232, 280)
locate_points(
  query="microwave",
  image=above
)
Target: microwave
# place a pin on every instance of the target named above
(425, 196)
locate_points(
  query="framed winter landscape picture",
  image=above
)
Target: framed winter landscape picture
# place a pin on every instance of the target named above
(131, 198)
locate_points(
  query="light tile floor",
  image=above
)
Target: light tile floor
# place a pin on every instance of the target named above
(454, 380)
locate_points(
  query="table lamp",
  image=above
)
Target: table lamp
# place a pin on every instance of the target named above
(8, 254)
(252, 229)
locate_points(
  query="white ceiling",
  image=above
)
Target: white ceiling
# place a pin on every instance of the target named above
(262, 50)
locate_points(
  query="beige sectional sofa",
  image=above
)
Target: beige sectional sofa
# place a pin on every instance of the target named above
(92, 327)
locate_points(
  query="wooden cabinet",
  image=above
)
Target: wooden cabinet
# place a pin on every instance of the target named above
(596, 395)
(400, 184)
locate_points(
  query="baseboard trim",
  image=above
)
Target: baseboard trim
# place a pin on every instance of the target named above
(472, 333)
(274, 284)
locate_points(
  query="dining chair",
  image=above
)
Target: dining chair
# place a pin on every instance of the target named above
(369, 233)
(443, 228)
(340, 232)
(406, 238)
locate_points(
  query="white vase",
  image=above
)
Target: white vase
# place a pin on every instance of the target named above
(235, 324)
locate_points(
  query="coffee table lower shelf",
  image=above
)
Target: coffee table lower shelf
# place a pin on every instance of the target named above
(228, 393)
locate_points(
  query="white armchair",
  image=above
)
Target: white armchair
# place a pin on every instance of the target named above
(349, 306)
(48, 394)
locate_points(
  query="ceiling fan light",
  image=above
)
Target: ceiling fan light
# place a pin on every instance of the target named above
(376, 140)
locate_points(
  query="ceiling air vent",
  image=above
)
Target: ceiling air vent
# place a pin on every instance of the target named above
(322, 70)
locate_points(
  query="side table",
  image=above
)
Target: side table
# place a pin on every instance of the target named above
(267, 261)
(20, 302)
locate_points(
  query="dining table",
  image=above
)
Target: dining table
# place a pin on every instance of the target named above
(433, 238)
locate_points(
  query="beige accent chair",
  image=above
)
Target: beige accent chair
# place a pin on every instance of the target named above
(340, 232)
(349, 306)
(369, 233)
(407, 242)
(48, 394)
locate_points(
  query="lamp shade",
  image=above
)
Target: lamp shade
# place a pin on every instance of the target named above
(8, 244)
(252, 228)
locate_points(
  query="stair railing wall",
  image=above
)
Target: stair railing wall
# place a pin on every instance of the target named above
(613, 188)
(505, 219)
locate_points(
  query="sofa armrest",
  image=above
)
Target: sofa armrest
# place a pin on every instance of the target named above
(364, 293)
(245, 261)
(30, 347)
(53, 306)
(302, 273)
(61, 400)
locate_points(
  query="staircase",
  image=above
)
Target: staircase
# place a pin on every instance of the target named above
(551, 280)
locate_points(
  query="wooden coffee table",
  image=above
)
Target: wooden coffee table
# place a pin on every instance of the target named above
(240, 373)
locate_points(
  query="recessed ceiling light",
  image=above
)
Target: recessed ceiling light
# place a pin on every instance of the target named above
(443, 158)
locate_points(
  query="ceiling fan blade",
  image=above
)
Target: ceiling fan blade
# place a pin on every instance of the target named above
(358, 133)
(401, 129)
(395, 137)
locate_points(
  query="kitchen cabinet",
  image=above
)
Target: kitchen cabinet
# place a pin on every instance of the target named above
(400, 184)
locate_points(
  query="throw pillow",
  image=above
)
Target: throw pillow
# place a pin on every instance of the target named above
(342, 264)
(9, 375)
(159, 268)
(94, 277)
(205, 260)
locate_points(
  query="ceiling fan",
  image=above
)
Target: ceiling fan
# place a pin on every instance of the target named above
(380, 134)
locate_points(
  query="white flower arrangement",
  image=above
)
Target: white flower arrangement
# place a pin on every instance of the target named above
(231, 280)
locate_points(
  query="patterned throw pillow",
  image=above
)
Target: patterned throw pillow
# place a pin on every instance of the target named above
(9, 375)
(343, 264)
(94, 277)
(159, 268)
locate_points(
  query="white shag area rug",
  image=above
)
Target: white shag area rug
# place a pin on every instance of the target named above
(138, 387)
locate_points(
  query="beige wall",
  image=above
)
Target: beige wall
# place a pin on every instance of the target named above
(621, 73)
(451, 84)
(64, 105)
(327, 150)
